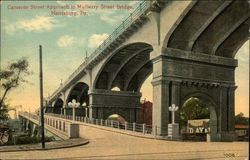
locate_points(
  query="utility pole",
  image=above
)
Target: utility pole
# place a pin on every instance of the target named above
(41, 97)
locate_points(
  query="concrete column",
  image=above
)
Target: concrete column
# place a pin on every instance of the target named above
(64, 109)
(161, 92)
(143, 128)
(132, 115)
(126, 125)
(86, 112)
(74, 114)
(223, 110)
(134, 126)
(160, 108)
(226, 114)
(73, 130)
(175, 98)
(92, 112)
(61, 112)
(231, 116)
(112, 125)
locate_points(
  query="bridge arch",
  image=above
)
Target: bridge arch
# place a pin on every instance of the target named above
(116, 114)
(211, 105)
(219, 28)
(79, 92)
(124, 67)
(57, 106)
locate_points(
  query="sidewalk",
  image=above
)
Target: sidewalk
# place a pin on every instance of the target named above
(49, 145)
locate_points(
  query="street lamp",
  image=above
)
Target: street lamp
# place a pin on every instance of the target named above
(173, 128)
(173, 109)
(74, 105)
(86, 108)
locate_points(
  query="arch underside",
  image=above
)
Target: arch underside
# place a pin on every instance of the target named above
(80, 93)
(57, 106)
(216, 28)
(58, 103)
(127, 69)
(120, 112)
(211, 101)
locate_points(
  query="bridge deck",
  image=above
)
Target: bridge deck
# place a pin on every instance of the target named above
(111, 145)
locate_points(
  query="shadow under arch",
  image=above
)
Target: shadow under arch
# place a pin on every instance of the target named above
(116, 115)
(79, 92)
(211, 105)
(119, 63)
(57, 106)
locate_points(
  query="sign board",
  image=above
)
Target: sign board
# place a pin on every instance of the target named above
(198, 126)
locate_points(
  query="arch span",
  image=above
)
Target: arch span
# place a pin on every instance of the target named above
(57, 106)
(123, 66)
(212, 106)
(79, 92)
(216, 28)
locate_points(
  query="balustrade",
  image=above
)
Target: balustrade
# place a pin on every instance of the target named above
(64, 124)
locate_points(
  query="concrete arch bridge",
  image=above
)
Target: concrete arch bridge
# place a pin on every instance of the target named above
(188, 46)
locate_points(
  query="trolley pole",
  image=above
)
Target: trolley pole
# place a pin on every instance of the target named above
(41, 97)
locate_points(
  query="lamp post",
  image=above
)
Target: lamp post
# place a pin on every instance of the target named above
(74, 105)
(41, 96)
(86, 109)
(173, 128)
(173, 109)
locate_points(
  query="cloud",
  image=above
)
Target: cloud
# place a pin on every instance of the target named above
(111, 19)
(67, 40)
(133, 2)
(37, 24)
(96, 39)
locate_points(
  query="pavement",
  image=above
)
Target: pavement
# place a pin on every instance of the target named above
(105, 144)
(48, 145)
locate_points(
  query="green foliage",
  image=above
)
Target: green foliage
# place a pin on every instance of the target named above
(192, 109)
(29, 140)
(4, 112)
(240, 119)
(13, 76)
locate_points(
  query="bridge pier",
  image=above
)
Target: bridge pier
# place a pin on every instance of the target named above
(178, 77)
(104, 103)
(160, 108)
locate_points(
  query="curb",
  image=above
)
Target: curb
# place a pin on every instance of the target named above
(39, 149)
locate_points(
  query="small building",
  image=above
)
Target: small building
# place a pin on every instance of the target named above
(146, 116)
(242, 132)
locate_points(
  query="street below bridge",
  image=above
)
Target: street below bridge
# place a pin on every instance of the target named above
(111, 145)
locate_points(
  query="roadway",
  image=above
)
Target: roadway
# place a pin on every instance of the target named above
(110, 145)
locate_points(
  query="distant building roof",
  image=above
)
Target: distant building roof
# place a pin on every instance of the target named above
(240, 126)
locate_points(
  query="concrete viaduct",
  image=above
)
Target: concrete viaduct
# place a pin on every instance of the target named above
(188, 46)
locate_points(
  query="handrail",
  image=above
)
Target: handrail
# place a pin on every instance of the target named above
(135, 127)
(110, 39)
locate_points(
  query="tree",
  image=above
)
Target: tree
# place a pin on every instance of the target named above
(240, 119)
(13, 76)
(4, 112)
(192, 109)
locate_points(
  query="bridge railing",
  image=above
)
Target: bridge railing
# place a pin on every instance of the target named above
(135, 127)
(63, 122)
(139, 11)
(55, 121)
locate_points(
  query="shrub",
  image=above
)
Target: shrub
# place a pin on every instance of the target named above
(29, 140)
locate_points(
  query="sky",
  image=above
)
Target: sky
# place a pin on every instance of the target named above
(66, 39)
